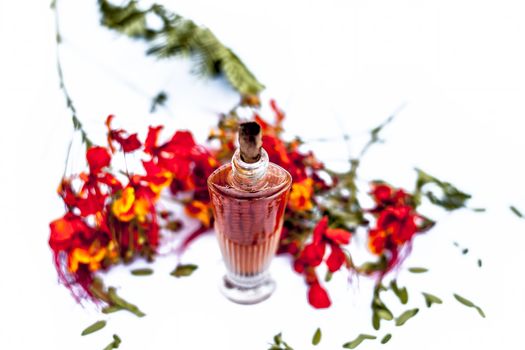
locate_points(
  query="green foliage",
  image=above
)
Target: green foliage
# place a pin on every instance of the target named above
(179, 36)
(183, 270)
(94, 327)
(451, 197)
(279, 343)
(360, 338)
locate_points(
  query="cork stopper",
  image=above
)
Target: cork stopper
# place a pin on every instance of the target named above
(250, 141)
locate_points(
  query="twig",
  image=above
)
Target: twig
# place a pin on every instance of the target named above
(77, 125)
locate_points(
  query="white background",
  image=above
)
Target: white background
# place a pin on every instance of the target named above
(336, 67)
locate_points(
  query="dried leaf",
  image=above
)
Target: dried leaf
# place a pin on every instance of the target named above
(94, 327)
(401, 293)
(183, 270)
(111, 309)
(386, 338)
(118, 301)
(516, 211)
(114, 344)
(385, 314)
(418, 269)
(469, 303)
(360, 338)
(405, 316)
(142, 272)
(451, 197)
(317, 337)
(431, 299)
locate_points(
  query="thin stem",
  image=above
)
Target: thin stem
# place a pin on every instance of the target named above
(77, 125)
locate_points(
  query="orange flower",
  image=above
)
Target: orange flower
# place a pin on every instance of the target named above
(199, 210)
(123, 207)
(301, 195)
(91, 257)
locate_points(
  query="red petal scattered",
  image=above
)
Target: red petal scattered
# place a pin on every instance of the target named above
(318, 297)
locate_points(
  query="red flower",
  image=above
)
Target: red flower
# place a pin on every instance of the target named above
(97, 158)
(128, 143)
(63, 231)
(336, 258)
(318, 297)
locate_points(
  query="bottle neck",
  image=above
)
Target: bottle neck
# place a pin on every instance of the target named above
(249, 176)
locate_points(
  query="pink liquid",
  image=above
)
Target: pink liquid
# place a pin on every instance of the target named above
(248, 223)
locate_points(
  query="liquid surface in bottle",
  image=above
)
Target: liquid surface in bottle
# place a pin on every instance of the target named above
(249, 222)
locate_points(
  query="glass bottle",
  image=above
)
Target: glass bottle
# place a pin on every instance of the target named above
(249, 200)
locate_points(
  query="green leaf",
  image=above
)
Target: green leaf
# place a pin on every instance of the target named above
(401, 293)
(360, 338)
(431, 299)
(376, 321)
(418, 269)
(317, 337)
(516, 211)
(405, 316)
(142, 272)
(451, 197)
(469, 303)
(385, 314)
(94, 327)
(111, 309)
(277, 339)
(183, 270)
(464, 301)
(114, 344)
(386, 338)
(115, 300)
(179, 36)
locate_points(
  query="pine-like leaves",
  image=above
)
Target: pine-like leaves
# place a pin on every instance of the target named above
(178, 36)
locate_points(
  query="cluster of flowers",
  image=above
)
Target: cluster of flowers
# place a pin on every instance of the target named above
(108, 220)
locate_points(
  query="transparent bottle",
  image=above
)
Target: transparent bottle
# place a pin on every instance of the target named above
(249, 200)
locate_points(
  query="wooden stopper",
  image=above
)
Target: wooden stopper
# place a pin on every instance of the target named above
(250, 141)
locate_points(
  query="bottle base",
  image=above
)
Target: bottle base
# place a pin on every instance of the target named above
(247, 295)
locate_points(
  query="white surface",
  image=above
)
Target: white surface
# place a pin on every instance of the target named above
(334, 66)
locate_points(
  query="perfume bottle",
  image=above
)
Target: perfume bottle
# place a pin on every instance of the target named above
(249, 197)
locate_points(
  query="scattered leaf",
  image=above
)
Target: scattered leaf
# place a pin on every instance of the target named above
(94, 327)
(401, 293)
(431, 299)
(469, 303)
(114, 344)
(118, 301)
(317, 337)
(386, 338)
(418, 269)
(111, 309)
(142, 272)
(451, 197)
(385, 314)
(516, 211)
(464, 251)
(183, 270)
(480, 263)
(405, 316)
(360, 338)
